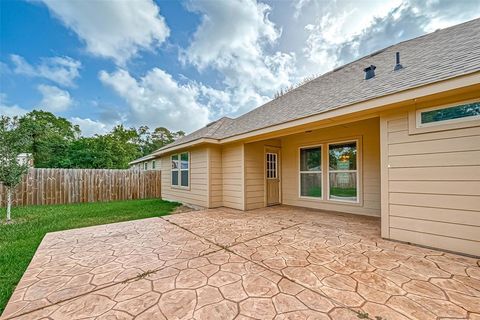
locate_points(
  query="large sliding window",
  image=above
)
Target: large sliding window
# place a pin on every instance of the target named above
(343, 171)
(311, 172)
(180, 169)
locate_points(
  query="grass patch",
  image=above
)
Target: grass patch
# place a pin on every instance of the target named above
(19, 240)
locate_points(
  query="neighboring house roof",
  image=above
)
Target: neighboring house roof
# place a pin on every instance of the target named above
(434, 57)
(142, 159)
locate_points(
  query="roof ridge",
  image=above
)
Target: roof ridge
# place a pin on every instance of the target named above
(220, 124)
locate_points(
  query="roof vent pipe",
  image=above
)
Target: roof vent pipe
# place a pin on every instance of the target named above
(369, 72)
(398, 66)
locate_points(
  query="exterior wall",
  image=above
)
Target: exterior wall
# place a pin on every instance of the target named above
(215, 177)
(197, 192)
(367, 131)
(141, 165)
(255, 173)
(431, 185)
(233, 176)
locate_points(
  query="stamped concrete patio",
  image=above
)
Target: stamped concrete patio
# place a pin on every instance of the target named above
(274, 263)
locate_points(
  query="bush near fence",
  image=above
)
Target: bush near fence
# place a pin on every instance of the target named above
(63, 186)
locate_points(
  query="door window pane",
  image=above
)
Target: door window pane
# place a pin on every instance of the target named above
(272, 165)
(311, 185)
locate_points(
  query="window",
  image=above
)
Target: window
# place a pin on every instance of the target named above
(153, 164)
(311, 172)
(145, 165)
(272, 170)
(444, 115)
(343, 173)
(180, 169)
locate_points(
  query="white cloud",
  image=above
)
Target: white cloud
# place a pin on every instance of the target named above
(91, 127)
(10, 110)
(157, 99)
(344, 32)
(233, 39)
(113, 29)
(54, 99)
(62, 70)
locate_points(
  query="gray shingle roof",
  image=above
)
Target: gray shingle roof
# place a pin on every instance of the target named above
(437, 56)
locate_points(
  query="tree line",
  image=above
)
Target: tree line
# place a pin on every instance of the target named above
(55, 142)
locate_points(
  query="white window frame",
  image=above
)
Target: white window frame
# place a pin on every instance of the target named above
(153, 164)
(418, 115)
(145, 166)
(180, 170)
(270, 170)
(357, 171)
(316, 171)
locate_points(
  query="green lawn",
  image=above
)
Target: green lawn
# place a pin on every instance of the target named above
(19, 241)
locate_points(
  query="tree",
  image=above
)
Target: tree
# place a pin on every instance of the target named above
(55, 142)
(50, 137)
(155, 140)
(113, 150)
(12, 143)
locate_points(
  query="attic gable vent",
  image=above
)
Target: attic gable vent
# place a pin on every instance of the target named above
(369, 72)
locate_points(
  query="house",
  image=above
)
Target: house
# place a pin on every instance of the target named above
(148, 162)
(395, 135)
(25, 159)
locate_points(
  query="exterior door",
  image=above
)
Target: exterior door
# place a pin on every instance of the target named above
(272, 176)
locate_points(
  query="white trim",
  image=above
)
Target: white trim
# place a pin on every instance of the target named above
(299, 155)
(418, 115)
(357, 171)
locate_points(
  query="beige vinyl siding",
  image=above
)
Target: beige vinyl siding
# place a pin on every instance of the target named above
(255, 173)
(197, 192)
(367, 131)
(233, 176)
(432, 185)
(216, 180)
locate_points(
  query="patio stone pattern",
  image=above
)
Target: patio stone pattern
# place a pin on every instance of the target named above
(274, 263)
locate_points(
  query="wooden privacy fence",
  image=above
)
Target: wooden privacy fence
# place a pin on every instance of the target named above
(60, 186)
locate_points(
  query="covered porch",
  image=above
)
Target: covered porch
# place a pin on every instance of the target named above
(332, 168)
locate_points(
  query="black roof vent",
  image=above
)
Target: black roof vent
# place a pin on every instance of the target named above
(369, 72)
(398, 66)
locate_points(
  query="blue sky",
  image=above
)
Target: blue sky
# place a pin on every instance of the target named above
(181, 64)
